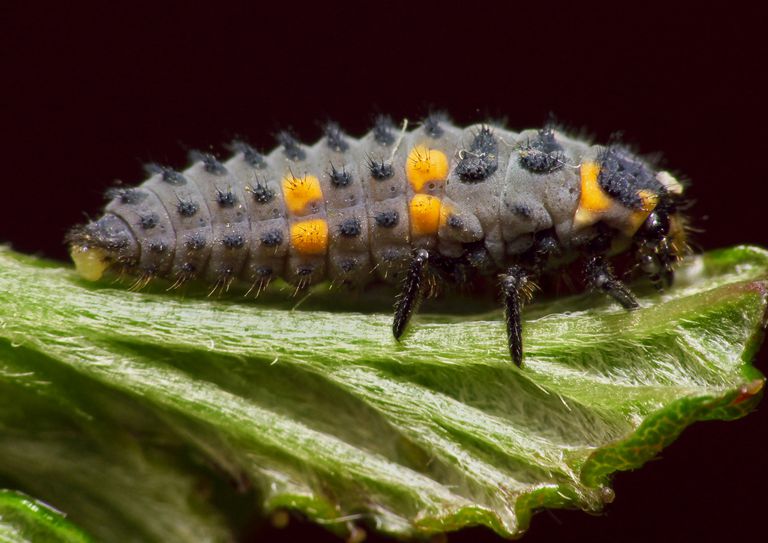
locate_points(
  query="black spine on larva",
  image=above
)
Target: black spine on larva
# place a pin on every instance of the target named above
(291, 146)
(522, 210)
(225, 198)
(126, 196)
(233, 241)
(264, 272)
(340, 178)
(149, 221)
(542, 154)
(210, 162)
(350, 227)
(432, 124)
(187, 208)
(380, 170)
(348, 264)
(195, 242)
(384, 130)
(622, 175)
(455, 222)
(169, 175)
(272, 238)
(334, 137)
(305, 270)
(387, 219)
(251, 156)
(262, 194)
(481, 160)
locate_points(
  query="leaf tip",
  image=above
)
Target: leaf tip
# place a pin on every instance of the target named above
(749, 390)
(607, 494)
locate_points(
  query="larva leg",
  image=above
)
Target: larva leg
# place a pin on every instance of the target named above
(411, 293)
(513, 288)
(517, 285)
(668, 258)
(600, 276)
(657, 267)
(651, 267)
(655, 254)
(657, 264)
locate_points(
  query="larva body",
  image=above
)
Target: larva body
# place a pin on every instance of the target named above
(474, 200)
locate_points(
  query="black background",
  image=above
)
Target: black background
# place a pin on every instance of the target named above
(88, 94)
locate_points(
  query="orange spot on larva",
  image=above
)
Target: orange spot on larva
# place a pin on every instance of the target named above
(299, 192)
(310, 237)
(425, 165)
(424, 212)
(593, 201)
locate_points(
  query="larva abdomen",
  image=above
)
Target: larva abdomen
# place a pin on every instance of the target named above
(351, 210)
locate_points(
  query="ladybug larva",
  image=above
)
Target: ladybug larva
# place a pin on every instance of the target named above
(402, 206)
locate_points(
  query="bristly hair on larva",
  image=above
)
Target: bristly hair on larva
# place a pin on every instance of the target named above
(433, 206)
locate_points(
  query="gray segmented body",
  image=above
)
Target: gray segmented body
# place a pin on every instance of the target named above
(232, 220)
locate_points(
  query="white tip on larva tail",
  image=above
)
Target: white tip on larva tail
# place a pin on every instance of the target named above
(89, 262)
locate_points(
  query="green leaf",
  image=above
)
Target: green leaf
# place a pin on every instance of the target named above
(26, 520)
(156, 417)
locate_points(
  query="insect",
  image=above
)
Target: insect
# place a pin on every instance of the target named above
(436, 203)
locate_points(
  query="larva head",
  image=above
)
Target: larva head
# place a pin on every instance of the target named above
(626, 193)
(96, 246)
(661, 239)
(622, 190)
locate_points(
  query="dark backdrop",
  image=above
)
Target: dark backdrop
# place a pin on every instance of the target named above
(88, 94)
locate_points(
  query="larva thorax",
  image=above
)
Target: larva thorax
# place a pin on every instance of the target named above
(351, 210)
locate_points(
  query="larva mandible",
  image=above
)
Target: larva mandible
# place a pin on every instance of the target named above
(397, 205)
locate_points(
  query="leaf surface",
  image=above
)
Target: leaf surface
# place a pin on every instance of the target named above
(156, 417)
